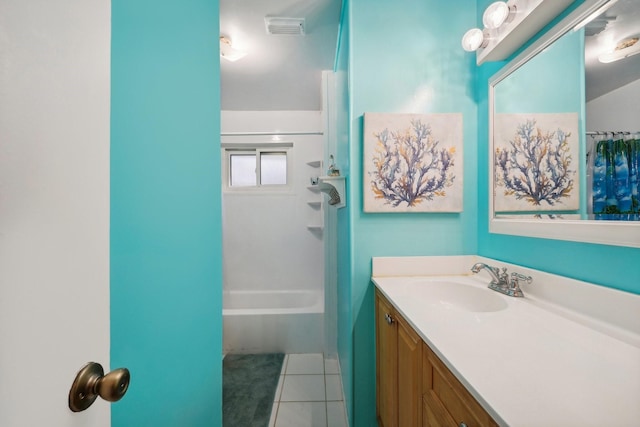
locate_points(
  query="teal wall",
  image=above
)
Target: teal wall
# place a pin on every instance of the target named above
(404, 57)
(166, 285)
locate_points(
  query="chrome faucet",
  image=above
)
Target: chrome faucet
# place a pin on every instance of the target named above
(500, 279)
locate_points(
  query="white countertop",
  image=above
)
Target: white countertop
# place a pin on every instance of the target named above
(531, 363)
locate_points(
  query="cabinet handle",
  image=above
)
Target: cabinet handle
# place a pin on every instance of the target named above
(388, 317)
(462, 424)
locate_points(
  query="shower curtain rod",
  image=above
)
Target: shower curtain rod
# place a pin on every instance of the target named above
(269, 133)
(606, 132)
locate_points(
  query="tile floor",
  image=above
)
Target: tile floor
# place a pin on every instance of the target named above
(309, 393)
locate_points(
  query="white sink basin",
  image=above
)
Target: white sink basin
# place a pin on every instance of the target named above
(456, 295)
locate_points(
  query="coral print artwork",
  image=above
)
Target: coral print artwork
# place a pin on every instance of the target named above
(536, 159)
(412, 162)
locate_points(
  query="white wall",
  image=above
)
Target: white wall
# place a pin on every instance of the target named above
(54, 207)
(266, 242)
(615, 111)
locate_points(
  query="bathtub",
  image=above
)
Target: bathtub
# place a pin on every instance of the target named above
(273, 321)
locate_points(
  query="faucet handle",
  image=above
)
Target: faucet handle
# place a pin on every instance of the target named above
(517, 277)
(514, 285)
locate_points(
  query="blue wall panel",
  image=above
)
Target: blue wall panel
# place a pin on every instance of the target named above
(166, 285)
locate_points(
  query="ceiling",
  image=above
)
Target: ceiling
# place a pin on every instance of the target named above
(619, 22)
(283, 72)
(279, 72)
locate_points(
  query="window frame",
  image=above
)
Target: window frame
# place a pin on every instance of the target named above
(258, 150)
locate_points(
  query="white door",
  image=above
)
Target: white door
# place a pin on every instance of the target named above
(54, 207)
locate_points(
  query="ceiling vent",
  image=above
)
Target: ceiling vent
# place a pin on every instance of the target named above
(284, 26)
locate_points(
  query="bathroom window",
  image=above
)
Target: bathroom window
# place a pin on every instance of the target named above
(242, 170)
(273, 168)
(259, 168)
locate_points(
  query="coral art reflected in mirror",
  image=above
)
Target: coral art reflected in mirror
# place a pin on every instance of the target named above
(536, 162)
(412, 162)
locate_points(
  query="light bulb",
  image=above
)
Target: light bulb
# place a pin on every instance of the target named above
(495, 15)
(473, 40)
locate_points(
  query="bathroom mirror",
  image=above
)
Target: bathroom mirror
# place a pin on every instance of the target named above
(543, 138)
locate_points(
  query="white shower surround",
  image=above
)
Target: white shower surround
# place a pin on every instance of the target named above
(273, 265)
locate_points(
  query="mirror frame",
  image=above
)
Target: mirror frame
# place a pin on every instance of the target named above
(602, 232)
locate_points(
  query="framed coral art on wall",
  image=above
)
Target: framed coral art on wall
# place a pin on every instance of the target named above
(412, 162)
(536, 161)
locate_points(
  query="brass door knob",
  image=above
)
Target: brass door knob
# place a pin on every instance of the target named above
(91, 382)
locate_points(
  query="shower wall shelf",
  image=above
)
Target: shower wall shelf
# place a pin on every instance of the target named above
(316, 225)
(329, 183)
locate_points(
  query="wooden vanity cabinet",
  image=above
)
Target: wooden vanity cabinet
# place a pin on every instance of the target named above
(398, 366)
(413, 387)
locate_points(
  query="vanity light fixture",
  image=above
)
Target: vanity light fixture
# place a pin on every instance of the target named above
(624, 49)
(228, 52)
(474, 39)
(498, 13)
(508, 25)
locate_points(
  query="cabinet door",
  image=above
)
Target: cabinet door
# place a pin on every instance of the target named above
(386, 364)
(447, 402)
(409, 375)
(434, 414)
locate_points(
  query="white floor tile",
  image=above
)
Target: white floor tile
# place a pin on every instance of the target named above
(336, 416)
(309, 393)
(274, 411)
(311, 363)
(303, 388)
(331, 366)
(302, 414)
(333, 387)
